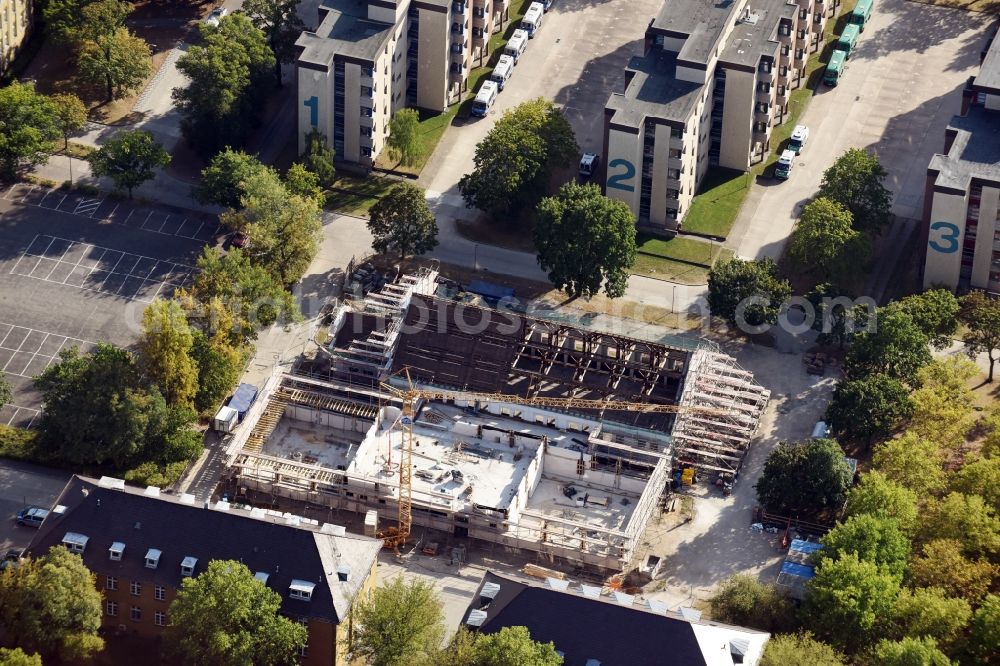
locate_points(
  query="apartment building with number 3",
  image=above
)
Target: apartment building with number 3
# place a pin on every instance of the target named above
(961, 216)
(371, 58)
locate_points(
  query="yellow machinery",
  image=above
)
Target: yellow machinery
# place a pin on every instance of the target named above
(396, 536)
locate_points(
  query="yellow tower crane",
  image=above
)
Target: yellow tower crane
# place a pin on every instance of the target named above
(396, 536)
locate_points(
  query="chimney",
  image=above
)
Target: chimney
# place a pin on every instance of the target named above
(968, 96)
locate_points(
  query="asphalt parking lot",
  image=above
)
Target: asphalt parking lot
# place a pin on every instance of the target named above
(900, 89)
(75, 271)
(24, 485)
(577, 59)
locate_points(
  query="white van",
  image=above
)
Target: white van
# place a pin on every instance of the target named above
(532, 20)
(503, 70)
(484, 98)
(515, 47)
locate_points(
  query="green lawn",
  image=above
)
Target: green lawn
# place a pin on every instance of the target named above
(718, 201)
(721, 195)
(658, 257)
(353, 195)
(433, 125)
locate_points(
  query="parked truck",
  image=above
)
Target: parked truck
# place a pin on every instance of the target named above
(862, 14)
(835, 68)
(848, 39)
(783, 169)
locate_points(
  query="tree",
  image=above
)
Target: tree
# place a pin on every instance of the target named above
(404, 138)
(513, 162)
(848, 600)
(283, 229)
(838, 314)
(318, 158)
(896, 348)
(50, 605)
(228, 80)
(929, 612)
(913, 462)
(981, 316)
(807, 477)
(944, 407)
(747, 292)
(17, 657)
(986, 630)
(743, 600)
(120, 62)
(868, 408)
(71, 114)
(935, 312)
(824, 241)
(878, 496)
(62, 18)
(785, 649)
(219, 366)
(101, 18)
(964, 518)
(303, 182)
(909, 651)
(512, 646)
(872, 539)
(129, 159)
(165, 351)
(584, 240)
(279, 20)
(247, 292)
(855, 182)
(401, 222)
(29, 127)
(942, 565)
(99, 411)
(979, 476)
(400, 623)
(225, 616)
(222, 180)
(6, 390)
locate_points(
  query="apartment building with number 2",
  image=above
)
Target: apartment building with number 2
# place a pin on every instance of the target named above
(712, 82)
(371, 58)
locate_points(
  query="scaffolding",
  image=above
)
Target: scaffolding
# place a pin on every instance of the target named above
(718, 442)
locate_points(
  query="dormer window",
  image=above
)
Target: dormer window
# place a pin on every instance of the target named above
(301, 589)
(187, 565)
(75, 542)
(116, 550)
(262, 576)
(152, 558)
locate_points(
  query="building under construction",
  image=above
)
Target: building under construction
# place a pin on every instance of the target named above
(514, 437)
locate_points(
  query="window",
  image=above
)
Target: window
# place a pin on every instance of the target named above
(135, 588)
(160, 593)
(366, 112)
(112, 608)
(160, 619)
(187, 565)
(111, 583)
(304, 650)
(136, 613)
(366, 91)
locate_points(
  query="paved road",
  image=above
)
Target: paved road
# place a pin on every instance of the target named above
(900, 90)
(22, 484)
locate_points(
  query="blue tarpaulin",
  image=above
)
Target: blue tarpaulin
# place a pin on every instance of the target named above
(489, 291)
(243, 398)
(800, 570)
(805, 546)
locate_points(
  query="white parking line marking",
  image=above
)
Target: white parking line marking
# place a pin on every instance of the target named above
(125, 270)
(35, 351)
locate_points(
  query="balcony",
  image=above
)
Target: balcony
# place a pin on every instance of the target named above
(458, 7)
